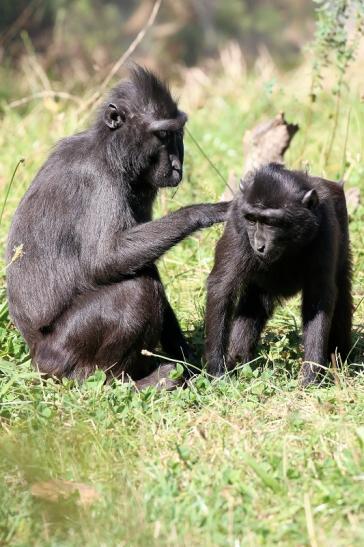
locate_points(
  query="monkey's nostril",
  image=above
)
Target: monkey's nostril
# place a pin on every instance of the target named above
(260, 248)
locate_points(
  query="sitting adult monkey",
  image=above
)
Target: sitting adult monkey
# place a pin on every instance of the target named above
(286, 232)
(84, 290)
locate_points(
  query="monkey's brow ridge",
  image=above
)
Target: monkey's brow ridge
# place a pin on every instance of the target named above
(172, 124)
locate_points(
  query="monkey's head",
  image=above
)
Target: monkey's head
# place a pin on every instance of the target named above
(279, 210)
(144, 130)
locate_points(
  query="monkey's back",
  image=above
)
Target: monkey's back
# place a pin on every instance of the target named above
(334, 197)
(55, 229)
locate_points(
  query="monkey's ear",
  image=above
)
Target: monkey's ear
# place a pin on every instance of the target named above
(113, 117)
(242, 185)
(310, 199)
(246, 181)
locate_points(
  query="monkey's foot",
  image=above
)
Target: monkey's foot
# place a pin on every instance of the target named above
(309, 375)
(160, 379)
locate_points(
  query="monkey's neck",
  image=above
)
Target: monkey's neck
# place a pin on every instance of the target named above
(141, 197)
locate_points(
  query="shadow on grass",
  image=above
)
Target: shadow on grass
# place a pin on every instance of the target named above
(282, 351)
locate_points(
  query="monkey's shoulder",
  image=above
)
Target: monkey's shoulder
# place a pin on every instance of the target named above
(331, 195)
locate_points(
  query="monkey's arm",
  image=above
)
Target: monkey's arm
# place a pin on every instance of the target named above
(223, 283)
(143, 244)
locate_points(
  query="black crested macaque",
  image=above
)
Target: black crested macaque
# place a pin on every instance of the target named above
(286, 232)
(83, 288)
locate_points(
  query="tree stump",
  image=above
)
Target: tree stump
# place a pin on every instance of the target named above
(265, 143)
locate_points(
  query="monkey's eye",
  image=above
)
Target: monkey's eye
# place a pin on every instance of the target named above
(250, 220)
(162, 134)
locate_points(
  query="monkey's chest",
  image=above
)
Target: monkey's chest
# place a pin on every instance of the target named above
(281, 282)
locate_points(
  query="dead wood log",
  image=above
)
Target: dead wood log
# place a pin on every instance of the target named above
(265, 143)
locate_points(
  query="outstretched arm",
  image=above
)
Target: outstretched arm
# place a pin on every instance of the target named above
(143, 244)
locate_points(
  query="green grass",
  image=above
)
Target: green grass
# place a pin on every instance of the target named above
(251, 460)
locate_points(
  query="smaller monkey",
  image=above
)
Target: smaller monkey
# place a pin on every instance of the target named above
(286, 232)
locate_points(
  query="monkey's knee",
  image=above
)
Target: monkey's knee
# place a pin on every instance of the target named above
(52, 360)
(239, 353)
(57, 363)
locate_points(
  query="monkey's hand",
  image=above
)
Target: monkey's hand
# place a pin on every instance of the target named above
(211, 213)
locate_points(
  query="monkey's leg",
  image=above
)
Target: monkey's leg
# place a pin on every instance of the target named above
(340, 334)
(107, 328)
(253, 311)
(173, 340)
(317, 310)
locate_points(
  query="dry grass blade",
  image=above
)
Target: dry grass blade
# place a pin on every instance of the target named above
(43, 95)
(9, 188)
(265, 477)
(55, 490)
(211, 163)
(309, 521)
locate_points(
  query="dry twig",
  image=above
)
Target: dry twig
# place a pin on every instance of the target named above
(94, 99)
(43, 95)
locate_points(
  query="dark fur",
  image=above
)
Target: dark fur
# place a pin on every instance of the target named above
(300, 242)
(85, 292)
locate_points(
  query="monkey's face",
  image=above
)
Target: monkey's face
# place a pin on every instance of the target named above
(269, 241)
(165, 167)
(153, 146)
(276, 234)
(278, 222)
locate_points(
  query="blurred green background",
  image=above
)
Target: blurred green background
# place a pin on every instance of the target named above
(77, 39)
